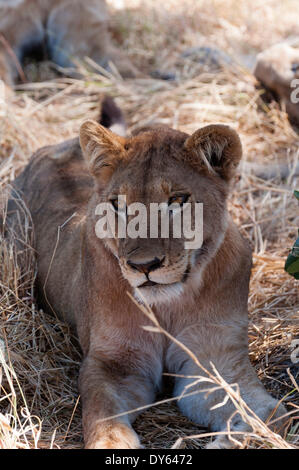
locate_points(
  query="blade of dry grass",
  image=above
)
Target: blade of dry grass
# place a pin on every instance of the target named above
(42, 357)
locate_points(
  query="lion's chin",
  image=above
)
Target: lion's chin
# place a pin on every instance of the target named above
(158, 293)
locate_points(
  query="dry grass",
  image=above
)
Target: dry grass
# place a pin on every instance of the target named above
(39, 404)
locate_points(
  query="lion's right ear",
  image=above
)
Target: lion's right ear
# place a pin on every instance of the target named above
(102, 149)
(216, 148)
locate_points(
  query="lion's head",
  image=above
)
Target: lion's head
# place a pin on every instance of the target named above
(169, 167)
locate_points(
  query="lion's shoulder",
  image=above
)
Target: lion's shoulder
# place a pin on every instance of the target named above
(56, 176)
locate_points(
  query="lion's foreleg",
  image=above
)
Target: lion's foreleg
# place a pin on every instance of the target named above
(108, 393)
(225, 346)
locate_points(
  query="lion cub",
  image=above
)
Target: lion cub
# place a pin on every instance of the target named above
(199, 295)
(64, 30)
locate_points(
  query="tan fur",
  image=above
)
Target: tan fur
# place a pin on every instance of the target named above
(201, 298)
(70, 30)
(277, 70)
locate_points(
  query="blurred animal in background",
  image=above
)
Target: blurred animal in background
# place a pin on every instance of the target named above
(64, 31)
(277, 68)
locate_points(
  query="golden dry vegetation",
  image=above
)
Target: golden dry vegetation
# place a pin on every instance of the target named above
(39, 404)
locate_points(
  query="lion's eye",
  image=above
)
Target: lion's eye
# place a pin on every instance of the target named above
(114, 203)
(178, 199)
(118, 204)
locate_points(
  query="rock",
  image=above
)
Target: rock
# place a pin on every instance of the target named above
(168, 76)
(277, 68)
(210, 56)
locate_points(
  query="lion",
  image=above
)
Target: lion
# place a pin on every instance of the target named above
(198, 295)
(63, 30)
(277, 69)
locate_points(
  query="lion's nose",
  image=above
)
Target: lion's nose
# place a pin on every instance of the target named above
(147, 266)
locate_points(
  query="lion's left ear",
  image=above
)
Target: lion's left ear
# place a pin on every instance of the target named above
(215, 147)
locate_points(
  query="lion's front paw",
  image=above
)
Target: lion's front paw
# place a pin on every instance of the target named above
(276, 419)
(221, 442)
(114, 436)
(271, 412)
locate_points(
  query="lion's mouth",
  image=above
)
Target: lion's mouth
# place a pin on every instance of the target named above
(149, 284)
